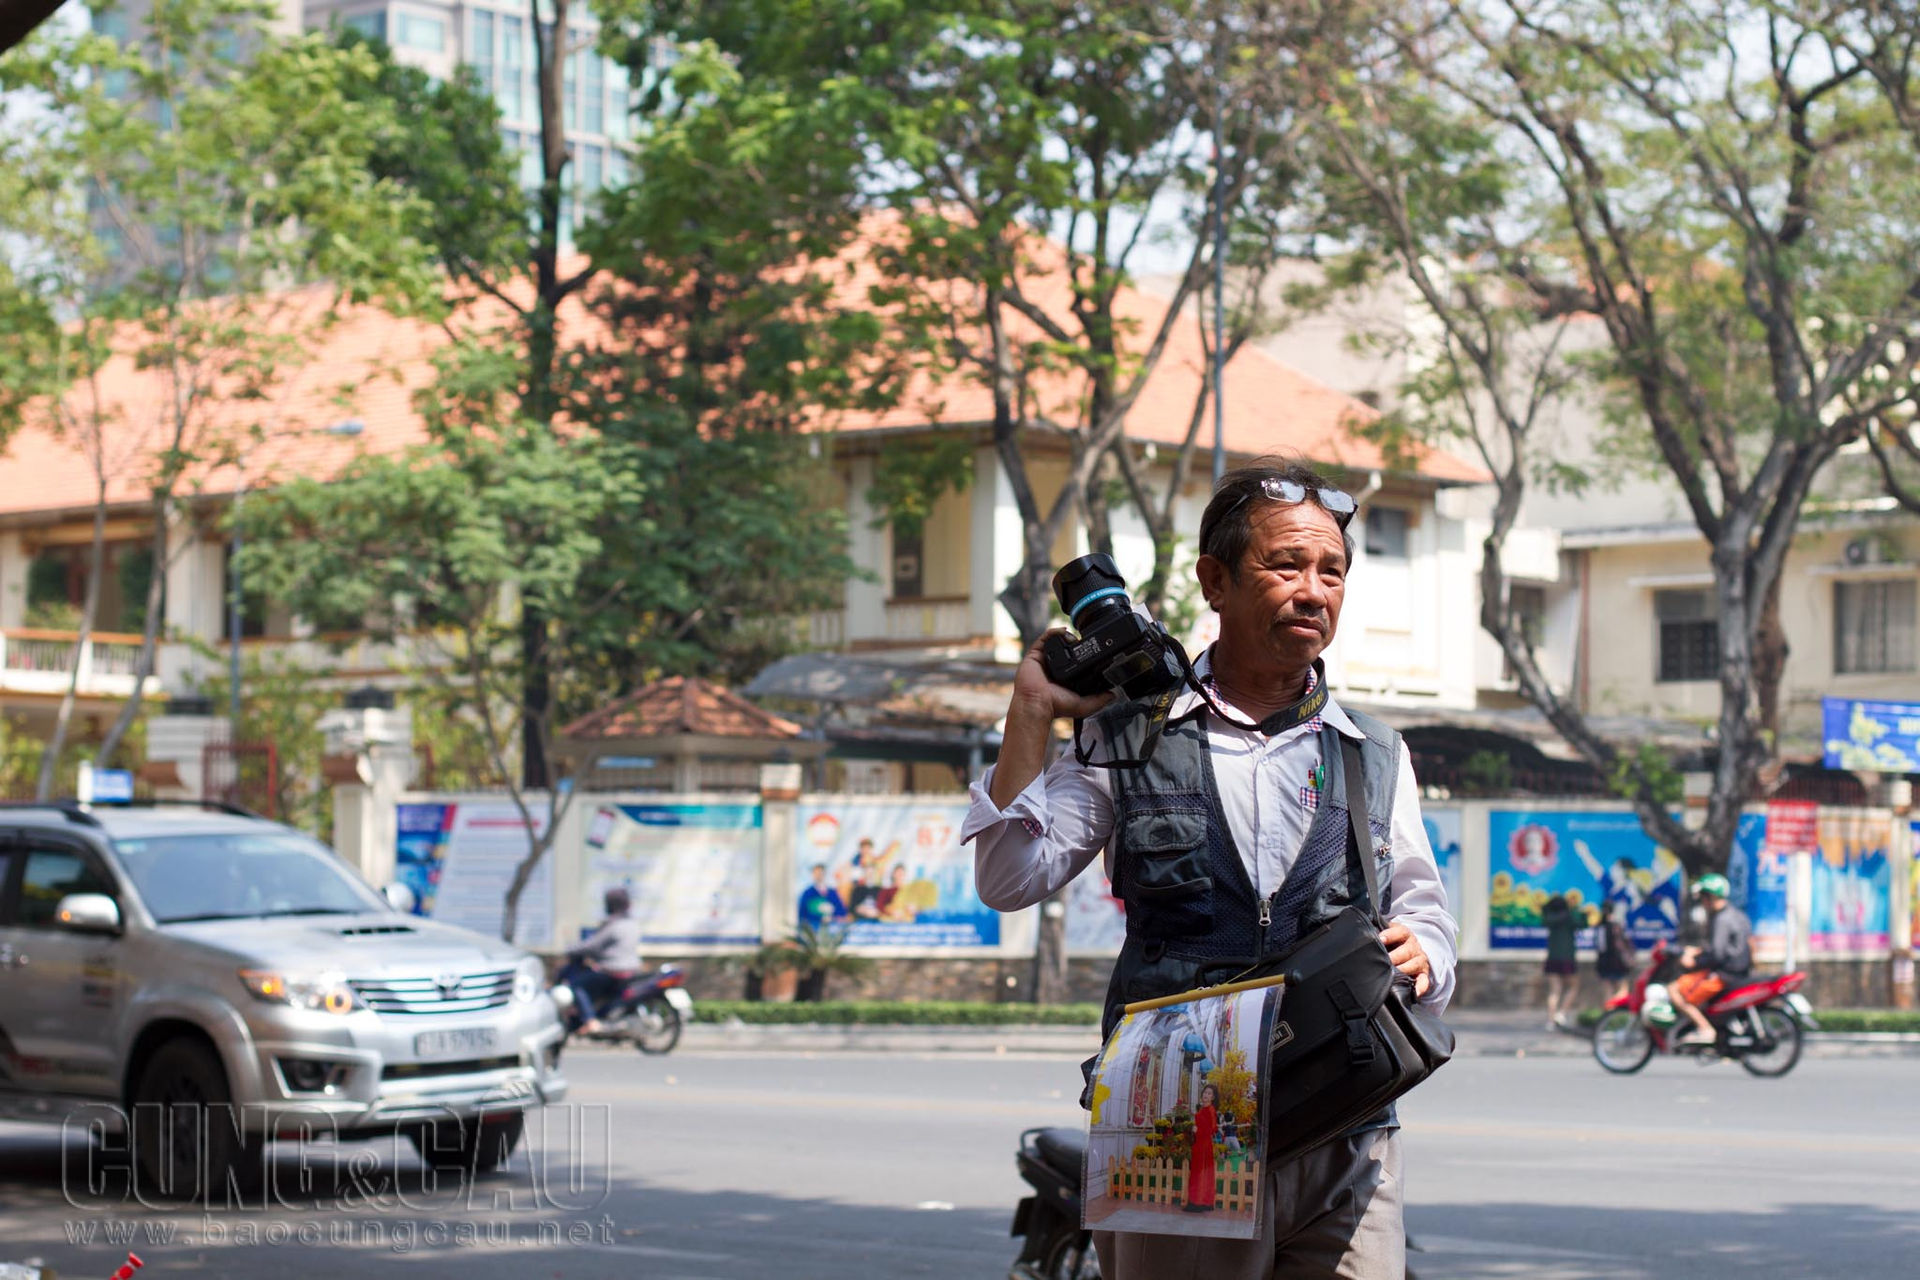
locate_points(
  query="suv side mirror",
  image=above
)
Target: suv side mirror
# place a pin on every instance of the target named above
(88, 913)
(400, 898)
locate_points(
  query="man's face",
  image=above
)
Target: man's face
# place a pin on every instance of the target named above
(819, 875)
(1285, 601)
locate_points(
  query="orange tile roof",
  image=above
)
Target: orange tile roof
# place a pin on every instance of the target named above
(370, 364)
(680, 705)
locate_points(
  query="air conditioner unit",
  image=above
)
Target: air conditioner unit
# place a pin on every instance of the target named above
(1858, 551)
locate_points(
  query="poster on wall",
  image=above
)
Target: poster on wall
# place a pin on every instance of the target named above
(895, 874)
(459, 856)
(1757, 880)
(1096, 920)
(1913, 890)
(693, 870)
(1443, 835)
(1595, 860)
(1873, 737)
(1852, 883)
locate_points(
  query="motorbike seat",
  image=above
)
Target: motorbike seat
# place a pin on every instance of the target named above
(1063, 1150)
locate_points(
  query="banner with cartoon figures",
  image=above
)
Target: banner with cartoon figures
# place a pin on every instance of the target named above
(459, 858)
(1913, 892)
(1596, 861)
(1096, 920)
(895, 874)
(1852, 883)
(1443, 835)
(693, 870)
(1757, 875)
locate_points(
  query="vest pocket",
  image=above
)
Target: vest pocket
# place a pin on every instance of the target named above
(1175, 910)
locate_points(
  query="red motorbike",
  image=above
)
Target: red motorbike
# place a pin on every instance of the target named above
(1760, 1023)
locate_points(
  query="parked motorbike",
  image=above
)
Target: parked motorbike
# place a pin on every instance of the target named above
(647, 1012)
(1054, 1246)
(1759, 1022)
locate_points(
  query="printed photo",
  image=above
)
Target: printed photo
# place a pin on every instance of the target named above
(1177, 1130)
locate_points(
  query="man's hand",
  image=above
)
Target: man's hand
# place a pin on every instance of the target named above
(1408, 956)
(1034, 693)
(1037, 703)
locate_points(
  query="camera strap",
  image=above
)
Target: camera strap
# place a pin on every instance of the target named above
(1287, 717)
(1156, 724)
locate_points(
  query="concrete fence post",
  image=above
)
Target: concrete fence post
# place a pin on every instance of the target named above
(779, 833)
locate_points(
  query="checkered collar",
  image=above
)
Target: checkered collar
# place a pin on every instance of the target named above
(1330, 714)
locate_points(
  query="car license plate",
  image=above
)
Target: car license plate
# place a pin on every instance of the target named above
(464, 1043)
(679, 999)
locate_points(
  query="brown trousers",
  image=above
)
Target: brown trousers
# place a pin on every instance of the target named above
(1335, 1212)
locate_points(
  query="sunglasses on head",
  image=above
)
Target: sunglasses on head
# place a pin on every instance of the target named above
(1336, 502)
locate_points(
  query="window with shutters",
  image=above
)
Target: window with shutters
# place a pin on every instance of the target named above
(1873, 625)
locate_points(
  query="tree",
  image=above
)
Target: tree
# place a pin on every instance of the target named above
(1018, 160)
(1726, 189)
(449, 544)
(192, 177)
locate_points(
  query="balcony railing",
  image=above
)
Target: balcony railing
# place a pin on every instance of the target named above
(928, 618)
(35, 660)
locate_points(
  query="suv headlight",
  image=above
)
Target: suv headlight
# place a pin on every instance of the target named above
(529, 978)
(327, 992)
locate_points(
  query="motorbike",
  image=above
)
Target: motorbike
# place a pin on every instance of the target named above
(1054, 1246)
(647, 1012)
(1760, 1023)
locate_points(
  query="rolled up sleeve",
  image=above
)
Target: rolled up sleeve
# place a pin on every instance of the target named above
(1419, 898)
(1046, 836)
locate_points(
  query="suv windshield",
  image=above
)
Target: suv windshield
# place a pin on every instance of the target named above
(235, 875)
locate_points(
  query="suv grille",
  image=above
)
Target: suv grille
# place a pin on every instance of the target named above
(461, 993)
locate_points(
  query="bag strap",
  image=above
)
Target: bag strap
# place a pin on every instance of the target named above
(1356, 815)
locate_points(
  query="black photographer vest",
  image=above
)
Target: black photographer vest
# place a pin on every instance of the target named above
(1193, 915)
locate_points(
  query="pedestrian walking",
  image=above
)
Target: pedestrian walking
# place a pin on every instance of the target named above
(1562, 965)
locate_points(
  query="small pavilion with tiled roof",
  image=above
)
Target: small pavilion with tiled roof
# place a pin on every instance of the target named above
(682, 734)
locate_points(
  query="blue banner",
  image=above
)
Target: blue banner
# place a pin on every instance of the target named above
(1872, 737)
(1596, 861)
(1757, 876)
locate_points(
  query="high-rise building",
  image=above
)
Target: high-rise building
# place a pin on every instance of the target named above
(495, 39)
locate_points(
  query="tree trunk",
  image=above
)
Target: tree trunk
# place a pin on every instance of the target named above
(1050, 952)
(89, 611)
(149, 635)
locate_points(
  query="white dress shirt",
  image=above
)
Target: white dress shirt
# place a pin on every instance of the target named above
(1269, 791)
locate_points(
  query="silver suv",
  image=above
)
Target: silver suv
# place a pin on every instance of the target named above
(221, 980)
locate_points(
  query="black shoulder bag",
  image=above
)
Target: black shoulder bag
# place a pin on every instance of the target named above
(1350, 1036)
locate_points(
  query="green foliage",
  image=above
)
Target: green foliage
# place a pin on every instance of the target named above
(931, 1013)
(1649, 764)
(166, 197)
(1487, 773)
(910, 476)
(281, 702)
(819, 952)
(440, 141)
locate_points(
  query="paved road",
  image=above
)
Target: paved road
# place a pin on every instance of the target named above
(743, 1166)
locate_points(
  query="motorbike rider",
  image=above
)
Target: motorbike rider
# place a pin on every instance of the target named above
(1727, 955)
(605, 961)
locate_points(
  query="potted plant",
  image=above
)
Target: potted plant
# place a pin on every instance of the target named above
(773, 972)
(821, 952)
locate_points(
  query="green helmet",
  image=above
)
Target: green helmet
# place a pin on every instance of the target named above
(1712, 883)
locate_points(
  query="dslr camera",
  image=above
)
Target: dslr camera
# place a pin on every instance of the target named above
(1117, 647)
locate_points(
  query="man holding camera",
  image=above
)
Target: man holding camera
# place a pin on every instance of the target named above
(1227, 837)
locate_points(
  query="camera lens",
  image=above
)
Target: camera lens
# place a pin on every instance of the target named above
(1088, 589)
